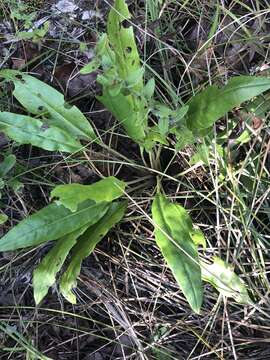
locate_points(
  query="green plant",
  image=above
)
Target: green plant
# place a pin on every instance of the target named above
(57, 126)
(83, 214)
(75, 224)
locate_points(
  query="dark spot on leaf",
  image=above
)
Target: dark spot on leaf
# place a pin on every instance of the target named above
(133, 62)
(67, 106)
(125, 24)
(126, 91)
(128, 49)
(44, 127)
(19, 77)
(41, 108)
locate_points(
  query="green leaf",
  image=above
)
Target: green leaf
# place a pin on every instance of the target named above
(198, 237)
(202, 153)
(123, 42)
(51, 223)
(3, 218)
(8, 163)
(71, 195)
(45, 274)
(163, 125)
(131, 115)
(27, 130)
(183, 136)
(152, 137)
(90, 67)
(122, 80)
(173, 227)
(213, 102)
(222, 277)
(43, 100)
(149, 89)
(86, 245)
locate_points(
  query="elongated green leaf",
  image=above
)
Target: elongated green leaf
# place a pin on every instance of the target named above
(173, 227)
(41, 99)
(45, 274)
(223, 278)
(122, 79)
(123, 42)
(26, 130)
(8, 163)
(3, 218)
(213, 103)
(51, 223)
(72, 195)
(86, 245)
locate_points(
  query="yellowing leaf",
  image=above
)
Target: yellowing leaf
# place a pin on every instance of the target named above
(223, 278)
(71, 195)
(173, 227)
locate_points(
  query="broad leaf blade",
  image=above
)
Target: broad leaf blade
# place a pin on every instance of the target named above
(41, 99)
(27, 130)
(86, 245)
(132, 116)
(51, 223)
(45, 274)
(213, 102)
(173, 224)
(71, 195)
(223, 278)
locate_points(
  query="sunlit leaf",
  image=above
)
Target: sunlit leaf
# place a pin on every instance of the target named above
(3, 218)
(71, 195)
(214, 102)
(44, 275)
(85, 246)
(27, 130)
(198, 237)
(123, 42)
(51, 223)
(173, 227)
(149, 89)
(223, 278)
(122, 80)
(43, 100)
